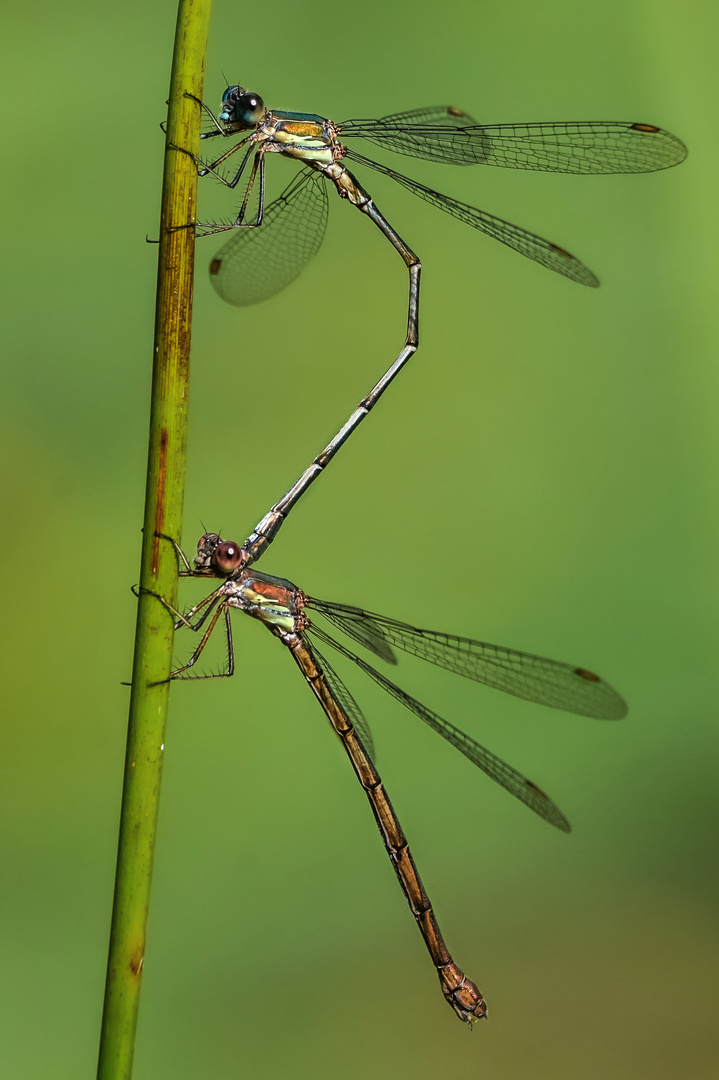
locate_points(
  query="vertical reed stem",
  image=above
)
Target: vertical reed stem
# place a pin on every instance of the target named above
(158, 574)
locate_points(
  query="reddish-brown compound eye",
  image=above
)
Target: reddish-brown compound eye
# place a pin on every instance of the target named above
(228, 556)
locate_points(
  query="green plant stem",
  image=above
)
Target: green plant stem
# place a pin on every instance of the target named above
(163, 513)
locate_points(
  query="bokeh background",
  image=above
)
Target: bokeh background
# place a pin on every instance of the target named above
(542, 476)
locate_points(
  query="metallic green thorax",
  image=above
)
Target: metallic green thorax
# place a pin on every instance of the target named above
(301, 135)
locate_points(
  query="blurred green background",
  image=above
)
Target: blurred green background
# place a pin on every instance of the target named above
(542, 476)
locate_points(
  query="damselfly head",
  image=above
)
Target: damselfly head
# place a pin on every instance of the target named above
(221, 556)
(241, 109)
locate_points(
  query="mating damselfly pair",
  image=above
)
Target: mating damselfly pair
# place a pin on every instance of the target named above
(269, 247)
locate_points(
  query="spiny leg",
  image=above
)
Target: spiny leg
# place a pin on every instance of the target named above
(203, 167)
(180, 619)
(222, 609)
(219, 129)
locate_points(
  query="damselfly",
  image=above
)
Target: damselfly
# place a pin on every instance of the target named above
(285, 610)
(272, 246)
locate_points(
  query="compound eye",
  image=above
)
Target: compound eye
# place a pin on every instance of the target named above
(228, 556)
(253, 108)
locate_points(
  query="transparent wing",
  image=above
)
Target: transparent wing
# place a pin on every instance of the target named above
(449, 115)
(534, 678)
(344, 698)
(498, 770)
(391, 132)
(585, 146)
(257, 262)
(366, 631)
(526, 243)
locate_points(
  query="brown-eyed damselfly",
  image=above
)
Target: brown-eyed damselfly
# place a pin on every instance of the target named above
(288, 613)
